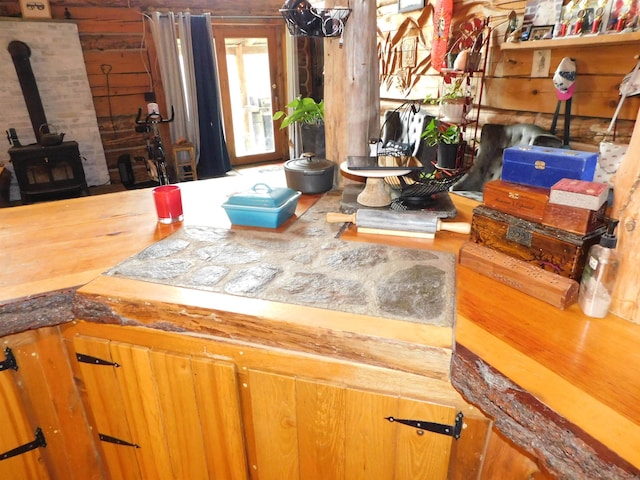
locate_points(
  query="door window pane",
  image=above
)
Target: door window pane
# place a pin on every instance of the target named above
(250, 94)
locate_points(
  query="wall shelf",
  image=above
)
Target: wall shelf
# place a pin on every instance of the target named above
(602, 40)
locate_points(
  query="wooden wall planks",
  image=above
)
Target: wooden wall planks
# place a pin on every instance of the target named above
(511, 95)
(113, 33)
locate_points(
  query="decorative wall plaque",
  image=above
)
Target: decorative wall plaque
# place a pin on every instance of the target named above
(35, 8)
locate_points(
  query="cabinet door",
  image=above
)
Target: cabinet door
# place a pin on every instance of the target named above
(16, 431)
(41, 394)
(173, 415)
(309, 430)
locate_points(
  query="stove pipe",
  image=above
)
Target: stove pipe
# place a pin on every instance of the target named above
(20, 53)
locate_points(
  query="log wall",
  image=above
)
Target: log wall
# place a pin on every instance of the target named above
(511, 95)
(120, 63)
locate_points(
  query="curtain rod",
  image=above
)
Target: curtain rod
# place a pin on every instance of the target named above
(222, 17)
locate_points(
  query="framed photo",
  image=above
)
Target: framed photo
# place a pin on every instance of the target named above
(540, 13)
(538, 33)
(35, 8)
(410, 5)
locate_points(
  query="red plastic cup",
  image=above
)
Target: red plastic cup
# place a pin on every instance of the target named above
(168, 202)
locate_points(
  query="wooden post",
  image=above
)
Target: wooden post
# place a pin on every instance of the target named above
(352, 93)
(626, 208)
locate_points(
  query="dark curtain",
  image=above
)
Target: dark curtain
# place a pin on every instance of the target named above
(214, 157)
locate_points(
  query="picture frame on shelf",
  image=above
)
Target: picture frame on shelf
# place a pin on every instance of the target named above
(35, 8)
(620, 13)
(541, 13)
(410, 5)
(541, 32)
(525, 31)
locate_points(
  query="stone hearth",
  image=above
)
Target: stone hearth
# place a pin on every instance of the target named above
(305, 265)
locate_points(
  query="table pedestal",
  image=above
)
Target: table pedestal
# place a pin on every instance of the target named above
(375, 193)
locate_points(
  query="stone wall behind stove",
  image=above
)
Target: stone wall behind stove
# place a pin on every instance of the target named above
(59, 68)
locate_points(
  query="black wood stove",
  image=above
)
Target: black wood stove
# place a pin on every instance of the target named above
(44, 171)
(49, 173)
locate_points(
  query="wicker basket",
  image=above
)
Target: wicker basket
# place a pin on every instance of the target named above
(415, 184)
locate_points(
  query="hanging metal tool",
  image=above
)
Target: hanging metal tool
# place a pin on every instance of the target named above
(106, 70)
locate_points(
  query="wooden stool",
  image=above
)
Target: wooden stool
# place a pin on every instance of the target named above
(184, 156)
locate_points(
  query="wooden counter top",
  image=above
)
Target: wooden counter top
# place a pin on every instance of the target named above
(586, 370)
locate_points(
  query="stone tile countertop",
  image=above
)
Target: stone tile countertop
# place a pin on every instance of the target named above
(305, 265)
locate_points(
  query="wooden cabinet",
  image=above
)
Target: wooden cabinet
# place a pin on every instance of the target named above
(161, 414)
(16, 429)
(313, 430)
(142, 403)
(190, 407)
(40, 394)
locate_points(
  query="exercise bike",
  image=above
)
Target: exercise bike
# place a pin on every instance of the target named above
(157, 158)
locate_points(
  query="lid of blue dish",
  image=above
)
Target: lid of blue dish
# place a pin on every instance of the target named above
(262, 195)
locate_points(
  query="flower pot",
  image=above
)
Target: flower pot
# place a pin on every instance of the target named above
(450, 59)
(467, 61)
(452, 110)
(313, 139)
(448, 155)
(473, 62)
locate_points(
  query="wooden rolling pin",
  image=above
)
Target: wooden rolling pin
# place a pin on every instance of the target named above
(405, 224)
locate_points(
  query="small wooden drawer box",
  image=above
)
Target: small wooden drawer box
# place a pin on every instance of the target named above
(516, 199)
(549, 248)
(574, 219)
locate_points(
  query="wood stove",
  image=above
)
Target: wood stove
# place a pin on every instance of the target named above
(48, 173)
(44, 172)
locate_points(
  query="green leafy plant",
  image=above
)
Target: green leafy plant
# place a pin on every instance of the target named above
(304, 110)
(453, 90)
(437, 132)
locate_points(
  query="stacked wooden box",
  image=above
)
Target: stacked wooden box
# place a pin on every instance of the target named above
(535, 238)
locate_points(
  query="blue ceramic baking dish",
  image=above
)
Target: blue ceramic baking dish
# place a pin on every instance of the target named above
(262, 206)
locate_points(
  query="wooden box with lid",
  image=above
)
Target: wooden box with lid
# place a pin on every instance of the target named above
(552, 249)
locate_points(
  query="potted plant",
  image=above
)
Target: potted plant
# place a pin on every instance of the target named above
(464, 52)
(305, 110)
(309, 115)
(447, 138)
(453, 101)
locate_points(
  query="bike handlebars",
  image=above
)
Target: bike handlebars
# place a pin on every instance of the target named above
(154, 118)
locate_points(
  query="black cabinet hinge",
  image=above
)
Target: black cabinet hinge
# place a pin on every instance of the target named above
(117, 441)
(9, 360)
(38, 442)
(450, 430)
(81, 357)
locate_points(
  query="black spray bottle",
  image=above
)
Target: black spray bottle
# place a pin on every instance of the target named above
(599, 274)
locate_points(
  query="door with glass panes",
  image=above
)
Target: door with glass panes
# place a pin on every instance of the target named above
(251, 67)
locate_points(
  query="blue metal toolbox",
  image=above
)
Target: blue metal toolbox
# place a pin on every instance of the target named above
(544, 166)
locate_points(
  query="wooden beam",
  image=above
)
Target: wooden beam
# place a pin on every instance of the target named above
(626, 208)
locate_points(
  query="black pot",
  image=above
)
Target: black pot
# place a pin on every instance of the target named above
(313, 140)
(51, 139)
(448, 155)
(309, 174)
